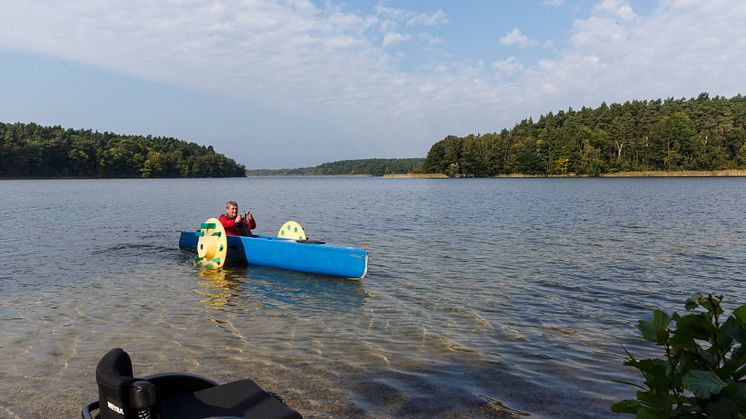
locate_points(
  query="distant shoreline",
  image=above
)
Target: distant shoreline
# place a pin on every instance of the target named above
(416, 176)
(110, 178)
(636, 174)
(681, 173)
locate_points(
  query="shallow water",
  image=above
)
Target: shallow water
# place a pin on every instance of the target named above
(485, 297)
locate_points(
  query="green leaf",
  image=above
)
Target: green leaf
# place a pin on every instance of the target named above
(629, 383)
(625, 406)
(707, 357)
(732, 365)
(654, 400)
(697, 326)
(740, 314)
(656, 328)
(683, 341)
(648, 413)
(694, 301)
(703, 383)
(725, 408)
(654, 371)
(731, 330)
(685, 363)
(737, 392)
(712, 304)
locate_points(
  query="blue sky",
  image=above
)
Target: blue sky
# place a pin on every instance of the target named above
(280, 84)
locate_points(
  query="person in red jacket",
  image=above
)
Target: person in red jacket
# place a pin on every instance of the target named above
(234, 224)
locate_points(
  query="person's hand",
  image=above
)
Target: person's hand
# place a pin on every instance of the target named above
(239, 219)
(249, 216)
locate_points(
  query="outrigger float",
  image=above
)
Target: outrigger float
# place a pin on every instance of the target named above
(290, 250)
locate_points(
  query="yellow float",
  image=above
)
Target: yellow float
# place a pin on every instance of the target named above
(212, 245)
(291, 230)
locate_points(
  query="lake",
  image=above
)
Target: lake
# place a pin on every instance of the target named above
(485, 297)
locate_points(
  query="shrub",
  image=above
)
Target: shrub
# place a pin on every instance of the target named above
(702, 373)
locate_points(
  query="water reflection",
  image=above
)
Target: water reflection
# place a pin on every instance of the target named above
(229, 288)
(220, 288)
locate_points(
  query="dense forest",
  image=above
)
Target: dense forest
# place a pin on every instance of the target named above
(31, 150)
(372, 167)
(673, 134)
(302, 171)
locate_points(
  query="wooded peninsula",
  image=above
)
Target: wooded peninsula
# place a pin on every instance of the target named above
(702, 134)
(365, 167)
(31, 150)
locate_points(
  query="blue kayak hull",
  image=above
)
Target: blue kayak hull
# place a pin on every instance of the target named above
(322, 259)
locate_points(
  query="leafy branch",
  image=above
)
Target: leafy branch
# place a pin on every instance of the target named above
(702, 372)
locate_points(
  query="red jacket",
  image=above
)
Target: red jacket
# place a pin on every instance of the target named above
(234, 229)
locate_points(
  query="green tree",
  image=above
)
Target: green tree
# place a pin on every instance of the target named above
(83, 156)
(154, 166)
(36, 151)
(673, 138)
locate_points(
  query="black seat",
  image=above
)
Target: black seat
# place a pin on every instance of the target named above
(176, 395)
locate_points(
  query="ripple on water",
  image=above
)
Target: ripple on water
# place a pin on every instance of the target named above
(486, 298)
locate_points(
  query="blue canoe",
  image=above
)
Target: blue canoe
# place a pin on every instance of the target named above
(303, 256)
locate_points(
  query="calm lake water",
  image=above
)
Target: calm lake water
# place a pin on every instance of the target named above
(485, 297)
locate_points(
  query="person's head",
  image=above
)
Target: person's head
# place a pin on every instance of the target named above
(231, 209)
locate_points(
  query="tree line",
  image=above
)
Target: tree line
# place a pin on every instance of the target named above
(701, 133)
(31, 150)
(371, 167)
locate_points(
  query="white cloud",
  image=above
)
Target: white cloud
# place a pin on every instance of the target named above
(615, 8)
(555, 3)
(430, 39)
(322, 63)
(411, 18)
(392, 13)
(393, 38)
(515, 37)
(437, 18)
(264, 50)
(508, 66)
(681, 49)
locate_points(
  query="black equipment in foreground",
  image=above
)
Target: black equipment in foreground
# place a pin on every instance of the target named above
(176, 395)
